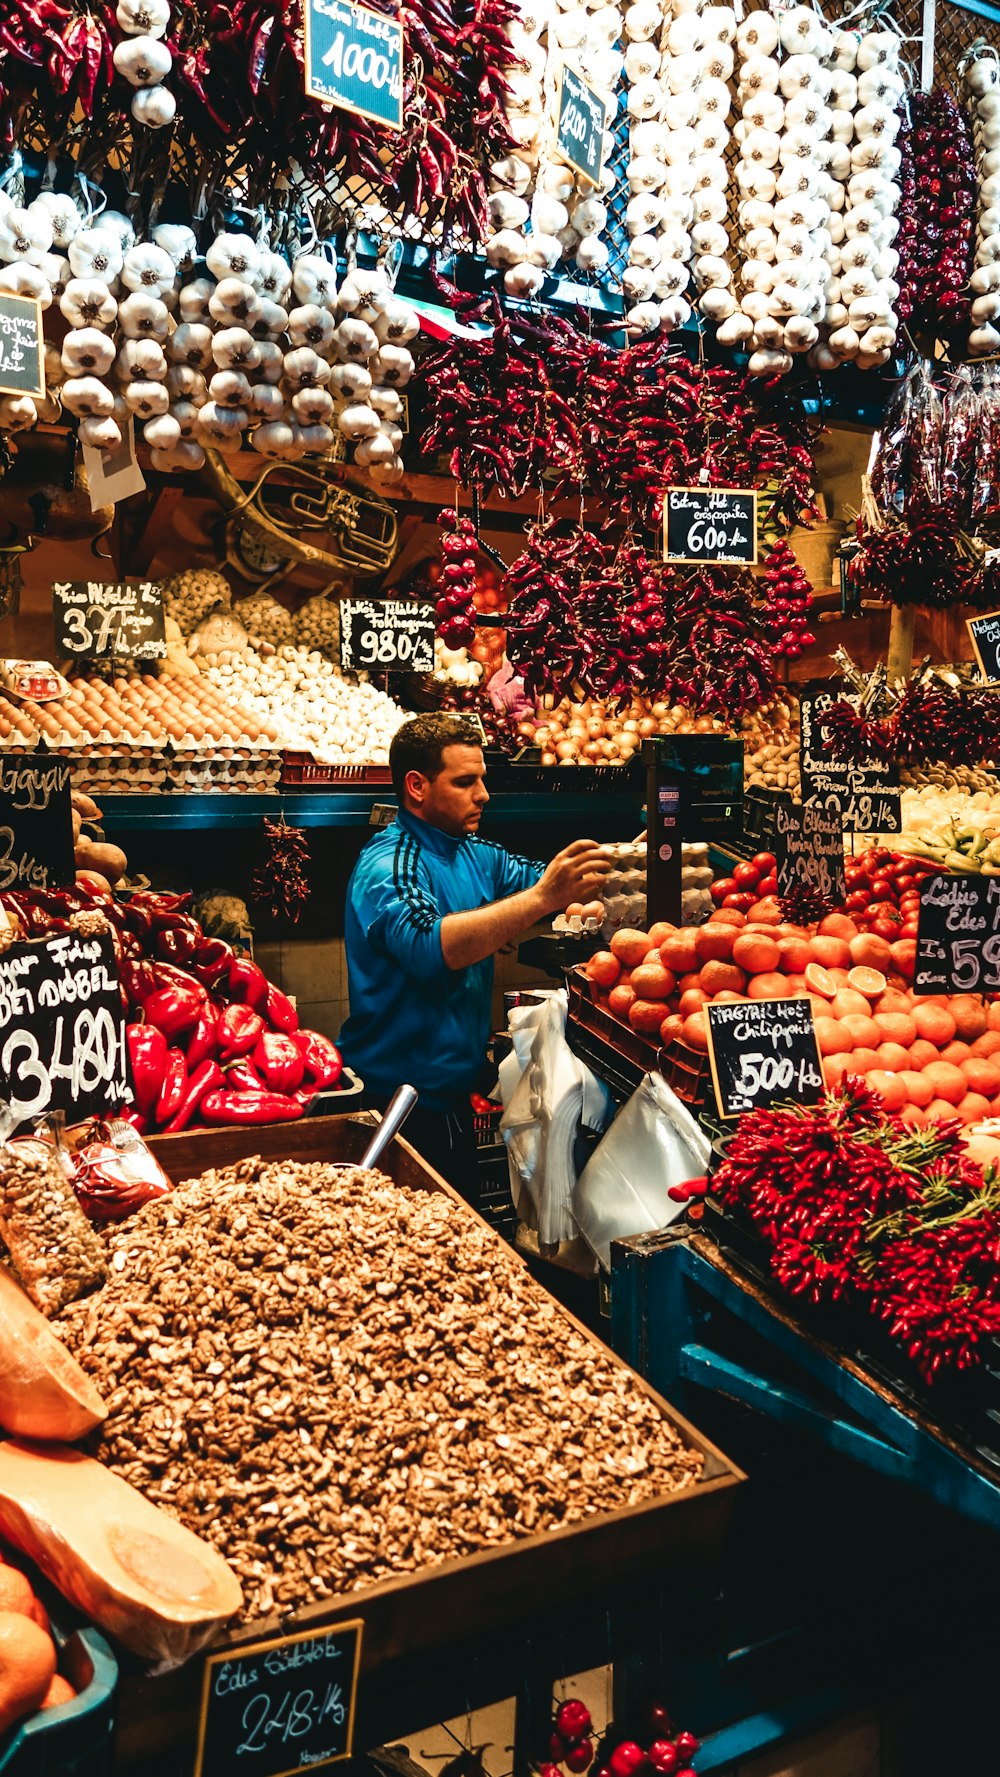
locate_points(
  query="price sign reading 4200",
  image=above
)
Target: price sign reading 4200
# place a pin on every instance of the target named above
(958, 935)
(386, 635)
(580, 132)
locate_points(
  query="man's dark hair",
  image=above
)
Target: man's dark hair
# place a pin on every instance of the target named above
(419, 745)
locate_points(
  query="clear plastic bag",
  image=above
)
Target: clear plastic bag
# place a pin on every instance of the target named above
(653, 1143)
(52, 1246)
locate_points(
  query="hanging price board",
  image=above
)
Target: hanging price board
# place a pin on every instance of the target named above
(62, 1028)
(36, 823)
(279, 1707)
(710, 525)
(123, 619)
(984, 634)
(958, 935)
(386, 635)
(580, 128)
(809, 846)
(866, 797)
(763, 1052)
(22, 352)
(354, 60)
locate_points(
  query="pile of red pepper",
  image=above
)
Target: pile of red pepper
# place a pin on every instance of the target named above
(857, 1208)
(931, 720)
(936, 214)
(210, 1039)
(883, 891)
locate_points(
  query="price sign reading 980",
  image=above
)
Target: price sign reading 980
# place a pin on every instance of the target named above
(958, 935)
(386, 635)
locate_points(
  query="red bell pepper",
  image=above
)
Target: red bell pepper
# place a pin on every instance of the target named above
(237, 1030)
(137, 979)
(249, 1107)
(177, 942)
(203, 1042)
(172, 1010)
(244, 1076)
(212, 961)
(172, 1090)
(247, 983)
(207, 1078)
(147, 1048)
(279, 1011)
(280, 1060)
(323, 1060)
(166, 975)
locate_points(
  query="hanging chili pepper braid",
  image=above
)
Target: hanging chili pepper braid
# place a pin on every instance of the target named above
(281, 884)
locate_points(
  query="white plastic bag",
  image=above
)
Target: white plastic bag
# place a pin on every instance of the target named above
(653, 1143)
(541, 1124)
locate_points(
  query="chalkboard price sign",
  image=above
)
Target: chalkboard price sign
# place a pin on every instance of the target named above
(354, 60)
(386, 635)
(809, 846)
(866, 797)
(36, 822)
(984, 634)
(62, 1028)
(763, 1052)
(22, 360)
(580, 132)
(279, 1707)
(123, 619)
(710, 525)
(958, 935)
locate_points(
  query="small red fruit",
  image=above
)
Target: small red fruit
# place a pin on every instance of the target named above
(580, 1755)
(663, 1756)
(686, 1744)
(573, 1720)
(746, 874)
(626, 1759)
(549, 1771)
(661, 1724)
(557, 1749)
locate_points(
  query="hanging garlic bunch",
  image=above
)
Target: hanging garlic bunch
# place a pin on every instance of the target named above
(81, 370)
(982, 91)
(784, 186)
(713, 33)
(657, 269)
(867, 85)
(145, 61)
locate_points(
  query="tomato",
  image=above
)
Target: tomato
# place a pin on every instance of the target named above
(882, 889)
(746, 875)
(765, 862)
(904, 882)
(876, 910)
(856, 901)
(742, 903)
(721, 888)
(888, 928)
(909, 929)
(769, 886)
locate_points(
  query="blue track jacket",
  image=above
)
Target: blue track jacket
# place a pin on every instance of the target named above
(412, 1018)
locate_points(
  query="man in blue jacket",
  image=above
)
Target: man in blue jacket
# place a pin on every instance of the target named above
(428, 905)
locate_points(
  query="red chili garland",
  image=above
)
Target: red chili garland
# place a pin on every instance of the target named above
(931, 720)
(456, 613)
(281, 884)
(936, 213)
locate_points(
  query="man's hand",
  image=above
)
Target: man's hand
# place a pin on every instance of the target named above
(575, 874)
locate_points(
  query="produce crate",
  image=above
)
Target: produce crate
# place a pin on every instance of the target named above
(418, 1615)
(493, 1199)
(620, 1056)
(300, 771)
(524, 771)
(75, 1739)
(347, 1094)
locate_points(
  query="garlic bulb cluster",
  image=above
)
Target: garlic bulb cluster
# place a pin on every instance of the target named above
(145, 61)
(866, 86)
(317, 623)
(453, 666)
(663, 72)
(541, 211)
(314, 708)
(32, 263)
(785, 188)
(982, 89)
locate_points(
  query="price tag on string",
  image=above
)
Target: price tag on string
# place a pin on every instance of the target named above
(279, 1707)
(121, 618)
(958, 935)
(865, 796)
(710, 525)
(386, 635)
(581, 117)
(62, 1028)
(809, 846)
(354, 60)
(763, 1052)
(22, 351)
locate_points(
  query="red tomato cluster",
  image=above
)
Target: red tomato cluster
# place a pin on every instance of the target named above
(749, 882)
(883, 891)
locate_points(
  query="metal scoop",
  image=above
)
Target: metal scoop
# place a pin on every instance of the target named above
(394, 1116)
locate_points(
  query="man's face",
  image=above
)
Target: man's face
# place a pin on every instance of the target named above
(453, 800)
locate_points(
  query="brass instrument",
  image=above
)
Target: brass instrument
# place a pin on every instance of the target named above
(313, 498)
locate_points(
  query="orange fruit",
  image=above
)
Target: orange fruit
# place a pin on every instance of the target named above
(716, 978)
(619, 1000)
(956, 1052)
(846, 1000)
(863, 1060)
(603, 967)
(983, 1076)
(904, 956)
(889, 1087)
(918, 1090)
(658, 932)
(691, 979)
(27, 1662)
(696, 1031)
(652, 981)
(820, 982)
(970, 1015)
(871, 951)
(993, 1015)
(831, 952)
(896, 1027)
(832, 1038)
(768, 987)
(862, 1029)
(947, 1080)
(715, 944)
(629, 946)
(837, 925)
(894, 1000)
(870, 982)
(671, 1028)
(935, 1023)
(797, 986)
(893, 1058)
(987, 1044)
(691, 1000)
(646, 1016)
(727, 916)
(922, 1053)
(726, 997)
(796, 955)
(973, 1108)
(16, 1591)
(940, 1110)
(820, 1008)
(913, 1116)
(677, 951)
(758, 956)
(834, 1069)
(59, 1691)
(766, 912)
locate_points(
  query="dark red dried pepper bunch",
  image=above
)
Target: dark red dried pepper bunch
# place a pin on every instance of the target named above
(455, 611)
(936, 214)
(788, 596)
(923, 563)
(56, 66)
(931, 720)
(856, 1207)
(281, 883)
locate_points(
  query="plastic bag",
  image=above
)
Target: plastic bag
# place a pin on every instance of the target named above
(116, 1173)
(52, 1246)
(653, 1143)
(554, 1097)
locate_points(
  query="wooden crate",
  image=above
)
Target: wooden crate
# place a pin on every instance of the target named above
(437, 1607)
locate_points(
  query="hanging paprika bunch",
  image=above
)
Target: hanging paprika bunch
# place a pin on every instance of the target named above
(929, 720)
(788, 596)
(281, 883)
(455, 611)
(665, 1752)
(856, 1207)
(936, 214)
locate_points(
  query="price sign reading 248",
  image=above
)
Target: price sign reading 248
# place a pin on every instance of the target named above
(275, 1708)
